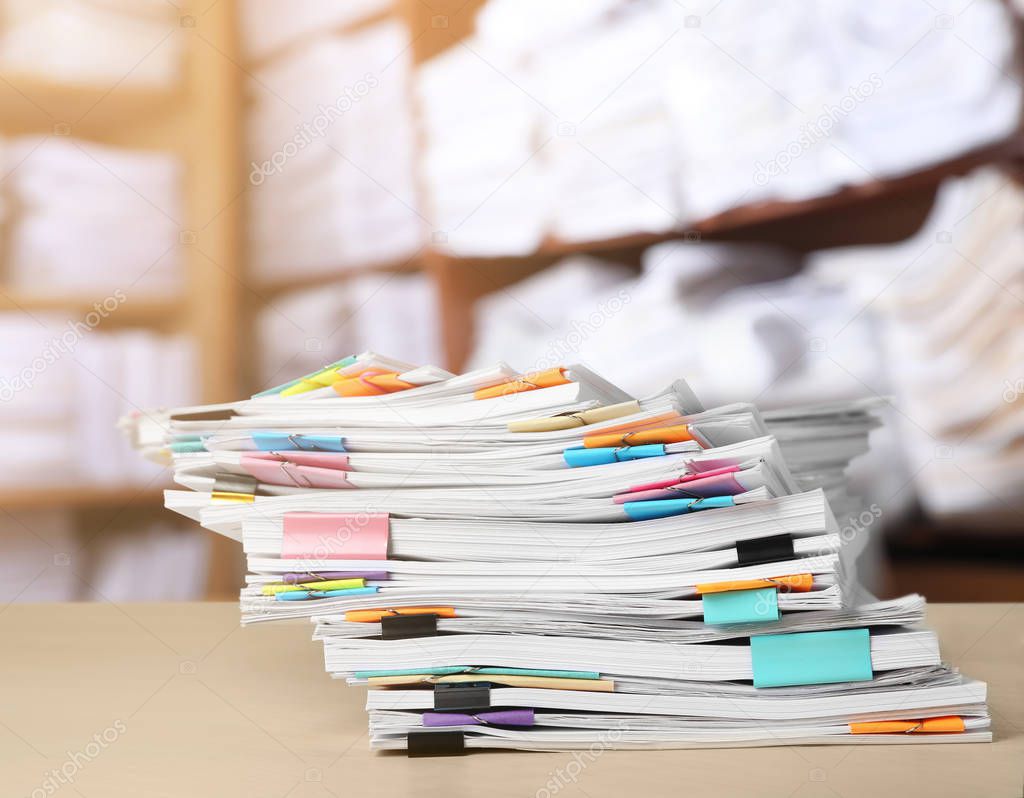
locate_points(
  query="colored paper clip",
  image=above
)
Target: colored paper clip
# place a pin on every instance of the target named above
(294, 577)
(228, 496)
(644, 511)
(187, 446)
(741, 606)
(303, 595)
(371, 383)
(571, 420)
(947, 724)
(667, 483)
(284, 441)
(375, 615)
(702, 488)
(796, 583)
(676, 434)
(837, 655)
(327, 584)
(529, 382)
(453, 670)
(345, 361)
(498, 717)
(581, 457)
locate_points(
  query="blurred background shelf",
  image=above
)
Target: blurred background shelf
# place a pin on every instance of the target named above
(152, 310)
(78, 497)
(30, 105)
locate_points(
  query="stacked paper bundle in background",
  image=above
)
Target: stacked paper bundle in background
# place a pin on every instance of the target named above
(541, 561)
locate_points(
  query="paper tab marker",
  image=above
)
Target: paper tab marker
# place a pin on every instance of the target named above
(286, 441)
(498, 717)
(838, 655)
(335, 536)
(741, 606)
(948, 724)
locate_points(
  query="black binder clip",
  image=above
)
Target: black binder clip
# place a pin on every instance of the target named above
(448, 743)
(762, 550)
(404, 627)
(462, 697)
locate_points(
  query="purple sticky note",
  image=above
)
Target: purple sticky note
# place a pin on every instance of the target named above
(498, 717)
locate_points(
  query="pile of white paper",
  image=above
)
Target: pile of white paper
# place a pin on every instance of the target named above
(331, 144)
(541, 561)
(86, 217)
(130, 43)
(62, 387)
(639, 116)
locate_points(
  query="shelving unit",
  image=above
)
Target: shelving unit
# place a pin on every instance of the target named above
(200, 121)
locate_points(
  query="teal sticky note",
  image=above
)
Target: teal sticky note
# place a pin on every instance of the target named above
(839, 655)
(741, 606)
(187, 447)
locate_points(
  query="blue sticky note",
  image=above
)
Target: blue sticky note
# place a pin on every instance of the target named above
(578, 457)
(663, 508)
(839, 655)
(760, 605)
(269, 441)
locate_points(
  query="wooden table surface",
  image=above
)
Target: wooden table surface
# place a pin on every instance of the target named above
(149, 700)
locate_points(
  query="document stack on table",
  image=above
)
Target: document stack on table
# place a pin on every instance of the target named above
(539, 561)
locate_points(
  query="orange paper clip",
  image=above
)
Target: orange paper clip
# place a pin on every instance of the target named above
(538, 379)
(373, 616)
(798, 583)
(639, 437)
(371, 383)
(946, 724)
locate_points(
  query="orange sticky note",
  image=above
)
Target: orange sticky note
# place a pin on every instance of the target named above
(371, 383)
(797, 583)
(639, 437)
(530, 382)
(372, 616)
(948, 724)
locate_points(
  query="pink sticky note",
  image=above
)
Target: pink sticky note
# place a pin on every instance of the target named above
(280, 472)
(335, 536)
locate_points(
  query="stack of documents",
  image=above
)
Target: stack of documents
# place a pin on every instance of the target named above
(541, 561)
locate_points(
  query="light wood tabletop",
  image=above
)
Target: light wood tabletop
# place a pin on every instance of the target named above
(140, 700)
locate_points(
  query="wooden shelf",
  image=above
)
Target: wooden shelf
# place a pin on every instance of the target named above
(739, 219)
(879, 211)
(78, 497)
(285, 283)
(30, 105)
(149, 311)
